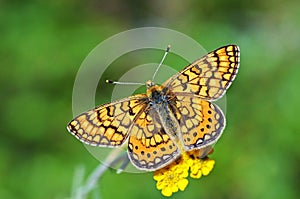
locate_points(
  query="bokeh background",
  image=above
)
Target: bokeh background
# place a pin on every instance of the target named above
(44, 42)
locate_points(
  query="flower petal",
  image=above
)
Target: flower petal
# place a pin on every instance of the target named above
(182, 184)
(166, 191)
(196, 175)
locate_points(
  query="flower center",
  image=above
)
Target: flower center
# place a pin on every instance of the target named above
(171, 176)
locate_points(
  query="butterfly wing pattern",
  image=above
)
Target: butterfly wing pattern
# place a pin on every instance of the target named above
(208, 77)
(149, 146)
(201, 122)
(178, 115)
(108, 125)
(205, 80)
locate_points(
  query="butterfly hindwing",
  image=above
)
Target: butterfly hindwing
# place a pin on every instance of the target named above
(201, 122)
(149, 146)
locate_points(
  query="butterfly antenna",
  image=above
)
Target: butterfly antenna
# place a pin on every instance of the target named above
(123, 83)
(162, 60)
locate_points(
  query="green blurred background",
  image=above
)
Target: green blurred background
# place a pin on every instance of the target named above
(44, 42)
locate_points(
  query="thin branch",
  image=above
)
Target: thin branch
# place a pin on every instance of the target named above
(81, 192)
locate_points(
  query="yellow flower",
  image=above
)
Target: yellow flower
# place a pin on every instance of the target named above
(198, 166)
(172, 178)
(201, 167)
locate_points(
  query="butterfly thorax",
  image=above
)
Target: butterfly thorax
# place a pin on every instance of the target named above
(161, 103)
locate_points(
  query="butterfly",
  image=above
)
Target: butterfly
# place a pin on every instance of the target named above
(168, 119)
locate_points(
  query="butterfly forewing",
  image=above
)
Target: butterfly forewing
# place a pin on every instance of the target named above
(208, 77)
(109, 124)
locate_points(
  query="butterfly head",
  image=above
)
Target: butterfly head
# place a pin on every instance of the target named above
(149, 84)
(153, 89)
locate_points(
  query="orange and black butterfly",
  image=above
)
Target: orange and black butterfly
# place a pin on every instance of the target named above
(169, 119)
